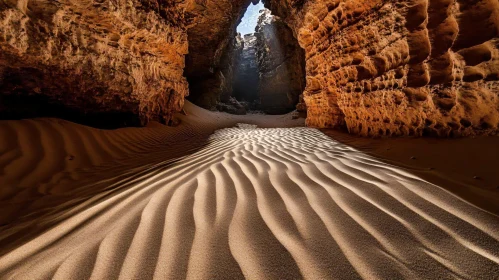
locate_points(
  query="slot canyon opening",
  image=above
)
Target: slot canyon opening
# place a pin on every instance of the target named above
(259, 68)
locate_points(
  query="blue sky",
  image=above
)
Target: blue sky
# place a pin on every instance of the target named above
(250, 19)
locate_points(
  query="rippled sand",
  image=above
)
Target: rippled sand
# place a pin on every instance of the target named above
(246, 202)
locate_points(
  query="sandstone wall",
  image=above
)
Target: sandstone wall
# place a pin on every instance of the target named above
(95, 56)
(414, 67)
(376, 67)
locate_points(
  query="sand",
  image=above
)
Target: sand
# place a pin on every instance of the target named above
(468, 167)
(229, 197)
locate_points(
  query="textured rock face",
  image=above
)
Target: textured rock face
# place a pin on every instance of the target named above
(246, 71)
(376, 67)
(414, 67)
(281, 66)
(94, 56)
(210, 38)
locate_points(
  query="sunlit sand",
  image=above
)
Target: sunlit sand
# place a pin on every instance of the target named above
(221, 197)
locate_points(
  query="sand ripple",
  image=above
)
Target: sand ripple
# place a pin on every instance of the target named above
(264, 204)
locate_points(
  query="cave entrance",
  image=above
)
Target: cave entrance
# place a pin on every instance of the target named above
(268, 66)
(246, 68)
(252, 62)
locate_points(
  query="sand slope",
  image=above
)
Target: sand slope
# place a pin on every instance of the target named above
(276, 203)
(45, 162)
(465, 166)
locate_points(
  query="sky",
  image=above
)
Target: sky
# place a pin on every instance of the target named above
(250, 19)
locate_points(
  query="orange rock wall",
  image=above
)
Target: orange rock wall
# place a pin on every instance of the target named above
(97, 56)
(414, 67)
(376, 67)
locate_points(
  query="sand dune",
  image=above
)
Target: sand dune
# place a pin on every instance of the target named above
(243, 202)
(45, 162)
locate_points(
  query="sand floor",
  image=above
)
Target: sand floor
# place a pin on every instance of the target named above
(223, 197)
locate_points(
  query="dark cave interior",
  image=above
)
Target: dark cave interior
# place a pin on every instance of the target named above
(261, 70)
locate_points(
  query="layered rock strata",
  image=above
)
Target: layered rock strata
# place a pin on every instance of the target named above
(280, 65)
(94, 57)
(414, 67)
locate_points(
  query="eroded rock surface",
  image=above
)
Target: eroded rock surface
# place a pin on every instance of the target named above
(94, 56)
(414, 67)
(280, 65)
(376, 67)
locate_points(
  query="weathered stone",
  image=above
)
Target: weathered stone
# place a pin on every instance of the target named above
(93, 57)
(281, 65)
(376, 67)
(232, 106)
(414, 67)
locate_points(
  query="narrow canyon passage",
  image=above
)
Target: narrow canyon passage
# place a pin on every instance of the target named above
(259, 203)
